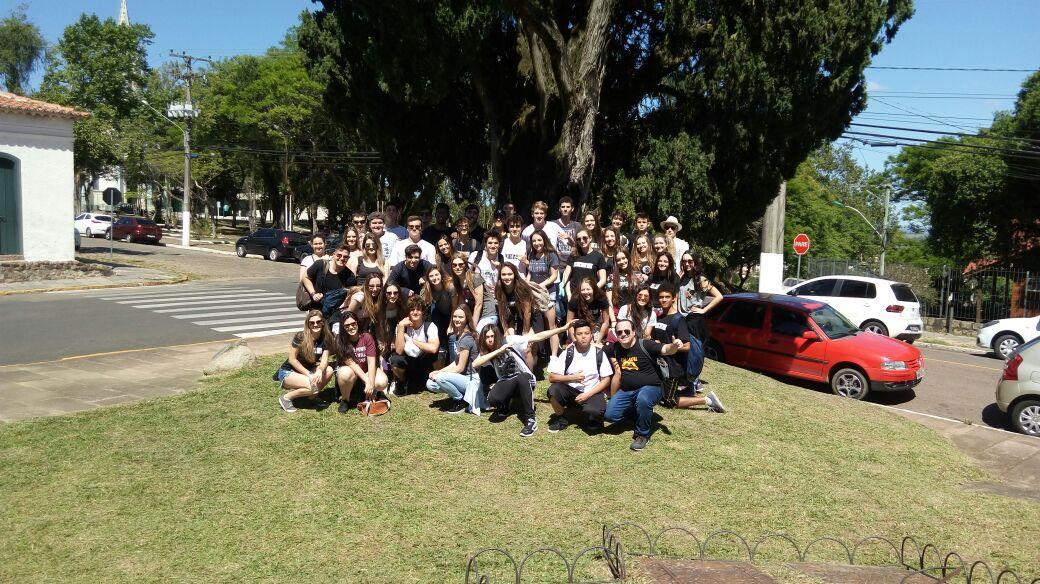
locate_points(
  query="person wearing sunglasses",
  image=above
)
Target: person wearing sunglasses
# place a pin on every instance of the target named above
(586, 262)
(306, 371)
(636, 384)
(370, 260)
(358, 356)
(328, 281)
(415, 226)
(671, 228)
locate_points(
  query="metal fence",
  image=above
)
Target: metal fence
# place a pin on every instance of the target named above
(950, 293)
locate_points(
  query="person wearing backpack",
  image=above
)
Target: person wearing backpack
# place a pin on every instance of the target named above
(679, 389)
(580, 376)
(636, 384)
(416, 343)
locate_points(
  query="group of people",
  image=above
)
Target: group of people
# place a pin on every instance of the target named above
(474, 312)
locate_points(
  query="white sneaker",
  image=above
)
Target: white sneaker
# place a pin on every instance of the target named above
(286, 404)
(714, 403)
(392, 388)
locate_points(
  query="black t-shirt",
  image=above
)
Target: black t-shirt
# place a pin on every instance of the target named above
(596, 309)
(667, 328)
(432, 233)
(586, 266)
(324, 280)
(406, 278)
(636, 369)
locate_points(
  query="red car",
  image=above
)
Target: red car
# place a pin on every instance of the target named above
(808, 339)
(136, 229)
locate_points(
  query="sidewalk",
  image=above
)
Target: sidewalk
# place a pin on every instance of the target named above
(123, 276)
(958, 343)
(77, 384)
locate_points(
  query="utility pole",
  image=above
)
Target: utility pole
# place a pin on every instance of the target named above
(188, 113)
(884, 230)
(771, 259)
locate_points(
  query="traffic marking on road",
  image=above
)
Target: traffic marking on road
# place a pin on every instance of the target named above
(932, 359)
(254, 312)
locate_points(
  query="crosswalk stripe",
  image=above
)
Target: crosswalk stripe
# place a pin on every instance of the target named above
(179, 296)
(237, 312)
(267, 303)
(234, 300)
(247, 319)
(259, 325)
(152, 291)
(254, 334)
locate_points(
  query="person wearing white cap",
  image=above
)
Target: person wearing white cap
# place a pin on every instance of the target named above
(671, 227)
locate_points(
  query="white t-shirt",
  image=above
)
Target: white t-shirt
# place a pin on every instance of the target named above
(424, 333)
(581, 363)
(309, 260)
(487, 270)
(429, 253)
(551, 228)
(512, 252)
(387, 241)
(680, 247)
(625, 312)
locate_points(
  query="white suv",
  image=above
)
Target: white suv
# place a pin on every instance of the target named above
(93, 224)
(1006, 334)
(873, 304)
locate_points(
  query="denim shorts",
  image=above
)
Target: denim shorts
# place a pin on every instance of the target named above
(282, 373)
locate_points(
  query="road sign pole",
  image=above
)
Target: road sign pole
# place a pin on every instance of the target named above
(798, 274)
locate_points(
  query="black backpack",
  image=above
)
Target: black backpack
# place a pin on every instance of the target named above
(570, 357)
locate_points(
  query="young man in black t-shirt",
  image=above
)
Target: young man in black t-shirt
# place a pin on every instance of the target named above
(671, 325)
(411, 273)
(637, 380)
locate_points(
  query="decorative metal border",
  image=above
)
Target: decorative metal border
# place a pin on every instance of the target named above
(918, 560)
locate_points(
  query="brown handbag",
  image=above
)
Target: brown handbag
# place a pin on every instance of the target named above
(303, 298)
(374, 407)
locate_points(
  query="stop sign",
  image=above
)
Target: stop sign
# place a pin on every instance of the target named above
(801, 244)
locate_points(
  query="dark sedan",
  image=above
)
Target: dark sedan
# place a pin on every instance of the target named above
(303, 250)
(273, 244)
(135, 229)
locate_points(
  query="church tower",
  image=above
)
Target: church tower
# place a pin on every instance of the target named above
(124, 18)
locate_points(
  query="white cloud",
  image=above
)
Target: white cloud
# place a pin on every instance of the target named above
(875, 86)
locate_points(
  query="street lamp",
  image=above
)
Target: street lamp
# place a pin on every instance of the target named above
(188, 112)
(881, 233)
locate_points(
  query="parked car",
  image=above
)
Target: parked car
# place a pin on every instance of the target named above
(93, 224)
(273, 244)
(809, 339)
(1005, 335)
(303, 250)
(873, 304)
(136, 229)
(1018, 391)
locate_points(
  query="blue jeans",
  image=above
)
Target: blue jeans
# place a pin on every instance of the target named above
(640, 401)
(694, 360)
(453, 384)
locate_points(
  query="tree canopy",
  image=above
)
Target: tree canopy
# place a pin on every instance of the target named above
(699, 109)
(21, 49)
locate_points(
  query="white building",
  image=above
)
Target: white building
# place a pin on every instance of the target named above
(36, 179)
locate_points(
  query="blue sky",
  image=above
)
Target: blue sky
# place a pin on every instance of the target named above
(943, 33)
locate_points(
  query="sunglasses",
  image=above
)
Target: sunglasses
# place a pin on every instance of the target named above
(350, 324)
(392, 293)
(458, 264)
(624, 332)
(415, 227)
(341, 256)
(369, 246)
(359, 222)
(316, 322)
(583, 239)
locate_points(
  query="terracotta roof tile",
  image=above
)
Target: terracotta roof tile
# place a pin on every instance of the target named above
(11, 103)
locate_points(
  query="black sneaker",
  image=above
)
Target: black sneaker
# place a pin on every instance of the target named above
(344, 407)
(557, 423)
(456, 407)
(498, 416)
(639, 443)
(529, 428)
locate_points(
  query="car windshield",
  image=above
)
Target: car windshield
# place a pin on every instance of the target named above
(834, 325)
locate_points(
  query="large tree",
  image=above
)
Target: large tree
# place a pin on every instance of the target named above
(21, 49)
(696, 108)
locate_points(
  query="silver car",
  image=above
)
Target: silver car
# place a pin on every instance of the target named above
(1018, 392)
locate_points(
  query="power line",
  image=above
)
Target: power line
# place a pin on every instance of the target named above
(878, 99)
(961, 134)
(976, 69)
(1023, 154)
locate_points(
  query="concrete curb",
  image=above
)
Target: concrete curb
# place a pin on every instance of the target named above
(972, 350)
(180, 280)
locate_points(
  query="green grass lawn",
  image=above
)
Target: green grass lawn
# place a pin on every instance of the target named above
(219, 484)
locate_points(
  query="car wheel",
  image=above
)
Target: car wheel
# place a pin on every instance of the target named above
(1025, 417)
(88, 233)
(713, 351)
(874, 326)
(1006, 344)
(108, 233)
(241, 251)
(850, 383)
(128, 238)
(272, 254)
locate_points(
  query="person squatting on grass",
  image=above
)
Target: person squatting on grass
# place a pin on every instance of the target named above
(416, 343)
(636, 385)
(515, 379)
(680, 390)
(358, 360)
(580, 376)
(306, 371)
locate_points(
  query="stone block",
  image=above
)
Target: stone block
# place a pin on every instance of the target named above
(231, 357)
